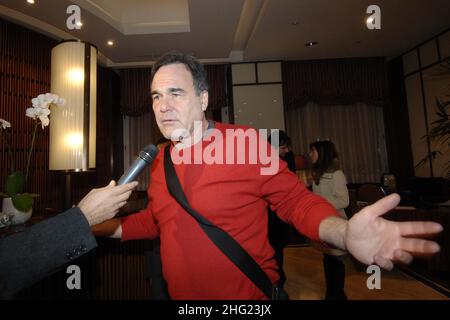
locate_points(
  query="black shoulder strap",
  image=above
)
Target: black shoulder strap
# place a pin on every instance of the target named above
(219, 237)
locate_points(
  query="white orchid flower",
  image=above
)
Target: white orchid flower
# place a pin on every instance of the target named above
(4, 124)
(45, 100)
(35, 102)
(31, 112)
(40, 101)
(39, 113)
(53, 98)
(41, 107)
(45, 121)
(61, 102)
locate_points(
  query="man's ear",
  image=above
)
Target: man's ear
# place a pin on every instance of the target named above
(204, 100)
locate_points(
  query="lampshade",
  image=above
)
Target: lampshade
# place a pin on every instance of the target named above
(73, 127)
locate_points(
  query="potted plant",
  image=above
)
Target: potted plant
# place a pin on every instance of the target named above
(17, 203)
(440, 128)
(440, 132)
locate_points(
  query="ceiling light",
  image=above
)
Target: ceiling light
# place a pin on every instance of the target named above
(294, 23)
(369, 20)
(110, 43)
(79, 23)
(30, 1)
(311, 44)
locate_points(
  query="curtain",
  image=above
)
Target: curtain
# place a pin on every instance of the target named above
(139, 132)
(357, 130)
(136, 93)
(217, 79)
(335, 82)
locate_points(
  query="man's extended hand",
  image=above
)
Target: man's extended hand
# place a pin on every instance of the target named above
(372, 239)
(104, 203)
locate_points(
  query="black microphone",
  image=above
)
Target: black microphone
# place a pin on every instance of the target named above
(146, 156)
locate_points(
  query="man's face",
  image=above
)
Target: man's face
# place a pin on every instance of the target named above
(175, 102)
(283, 150)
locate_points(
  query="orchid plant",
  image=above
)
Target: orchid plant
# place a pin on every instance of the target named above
(17, 180)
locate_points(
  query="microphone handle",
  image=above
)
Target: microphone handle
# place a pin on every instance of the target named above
(133, 171)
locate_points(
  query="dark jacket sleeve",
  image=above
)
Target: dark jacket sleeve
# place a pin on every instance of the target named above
(37, 252)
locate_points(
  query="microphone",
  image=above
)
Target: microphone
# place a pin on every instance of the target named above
(145, 158)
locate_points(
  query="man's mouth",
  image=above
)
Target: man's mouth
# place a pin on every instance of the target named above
(169, 121)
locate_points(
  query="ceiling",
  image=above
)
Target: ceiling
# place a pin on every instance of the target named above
(236, 30)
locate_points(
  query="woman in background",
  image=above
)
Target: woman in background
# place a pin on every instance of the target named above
(330, 183)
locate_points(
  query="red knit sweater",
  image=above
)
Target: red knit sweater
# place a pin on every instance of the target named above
(235, 198)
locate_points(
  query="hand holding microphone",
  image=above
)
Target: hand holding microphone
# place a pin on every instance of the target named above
(104, 203)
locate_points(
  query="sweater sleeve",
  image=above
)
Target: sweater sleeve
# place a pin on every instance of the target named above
(340, 199)
(294, 203)
(42, 249)
(140, 225)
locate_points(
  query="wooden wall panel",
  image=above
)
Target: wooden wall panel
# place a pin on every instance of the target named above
(122, 270)
(114, 270)
(25, 73)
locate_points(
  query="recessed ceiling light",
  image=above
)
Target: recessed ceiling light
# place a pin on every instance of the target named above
(110, 43)
(30, 1)
(311, 44)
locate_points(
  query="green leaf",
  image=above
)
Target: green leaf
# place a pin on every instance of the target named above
(14, 183)
(22, 202)
(429, 157)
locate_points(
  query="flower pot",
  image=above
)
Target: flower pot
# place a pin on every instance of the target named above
(16, 216)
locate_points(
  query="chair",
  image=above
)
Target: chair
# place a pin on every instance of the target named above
(352, 207)
(369, 193)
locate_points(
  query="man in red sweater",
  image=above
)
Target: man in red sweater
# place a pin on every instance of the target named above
(235, 196)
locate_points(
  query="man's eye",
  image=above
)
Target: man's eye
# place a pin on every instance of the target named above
(155, 98)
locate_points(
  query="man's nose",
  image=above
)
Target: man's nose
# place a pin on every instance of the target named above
(164, 104)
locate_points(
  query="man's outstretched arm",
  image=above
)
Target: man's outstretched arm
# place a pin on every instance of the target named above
(374, 240)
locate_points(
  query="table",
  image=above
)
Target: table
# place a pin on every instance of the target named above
(435, 269)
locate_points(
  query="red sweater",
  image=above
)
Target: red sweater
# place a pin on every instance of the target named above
(235, 198)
